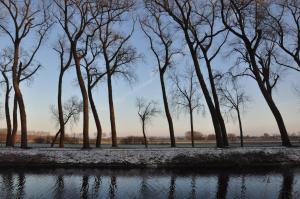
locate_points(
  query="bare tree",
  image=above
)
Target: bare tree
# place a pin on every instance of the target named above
(77, 20)
(233, 98)
(161, 39)
(285, 23)
(186, 97)
(93, 76)
(5, 64)
(65, 64)
(24, 18)
(72, 109)
(118, 55)
(192, 18)
(146, 110)
(246, 20)
(25, 74)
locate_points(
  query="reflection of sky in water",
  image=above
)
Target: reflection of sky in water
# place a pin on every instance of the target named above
(148, 184)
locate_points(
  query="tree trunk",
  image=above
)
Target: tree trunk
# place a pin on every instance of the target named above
(19, 97)
(96, 117)
(15, 122)
(167, 111)
(280, 123)
(111, 111)
(268, 97)
(60, 112)
(216, 102)
(86, 142)
(7, 113)
(241, 127)
(55, 137)
(213, 113)
(144, 134)
(192, 127)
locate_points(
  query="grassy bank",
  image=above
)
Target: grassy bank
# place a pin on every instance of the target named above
(151, 158)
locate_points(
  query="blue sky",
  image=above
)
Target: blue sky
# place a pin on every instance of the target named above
(42, 92)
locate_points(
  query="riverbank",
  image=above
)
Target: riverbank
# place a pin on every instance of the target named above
(151, 158)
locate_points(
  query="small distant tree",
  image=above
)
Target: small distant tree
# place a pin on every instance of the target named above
(186, 97)
(231, 136)
(211, 137)
(146, 110)
(197, 135)
(233, 98)
(266, 135)
(72, 109)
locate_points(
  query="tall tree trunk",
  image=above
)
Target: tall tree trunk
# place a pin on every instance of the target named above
(280, 123)
(60, 111)
(19, 97)
(167, 111)
(96, 117)
(216, 102)
(241, 128)
(55, 137)
(86, 142)
(268, 97)
(7, 113)
(15, 122)
(212, 110)
(144, 134)
(111, 111)
(192, 127)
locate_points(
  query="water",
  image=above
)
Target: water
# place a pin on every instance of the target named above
(154, 184)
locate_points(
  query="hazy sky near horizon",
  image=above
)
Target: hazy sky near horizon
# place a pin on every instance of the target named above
(41, 93)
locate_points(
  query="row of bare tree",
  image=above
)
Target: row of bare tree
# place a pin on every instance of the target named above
(263, 36)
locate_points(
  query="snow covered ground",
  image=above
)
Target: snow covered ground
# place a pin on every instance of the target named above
(150, 158)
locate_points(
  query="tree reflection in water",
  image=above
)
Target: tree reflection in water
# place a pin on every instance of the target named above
(223, 180)
(21, 185)
(112, 187)
(286, 191)
(85, 184)
(84, 192)
(59, 187)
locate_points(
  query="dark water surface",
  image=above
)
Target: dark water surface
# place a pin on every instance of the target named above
(147, 183)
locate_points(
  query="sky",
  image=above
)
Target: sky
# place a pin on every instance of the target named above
(41, 93)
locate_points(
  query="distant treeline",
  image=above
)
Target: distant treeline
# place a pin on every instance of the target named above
(40, 137)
